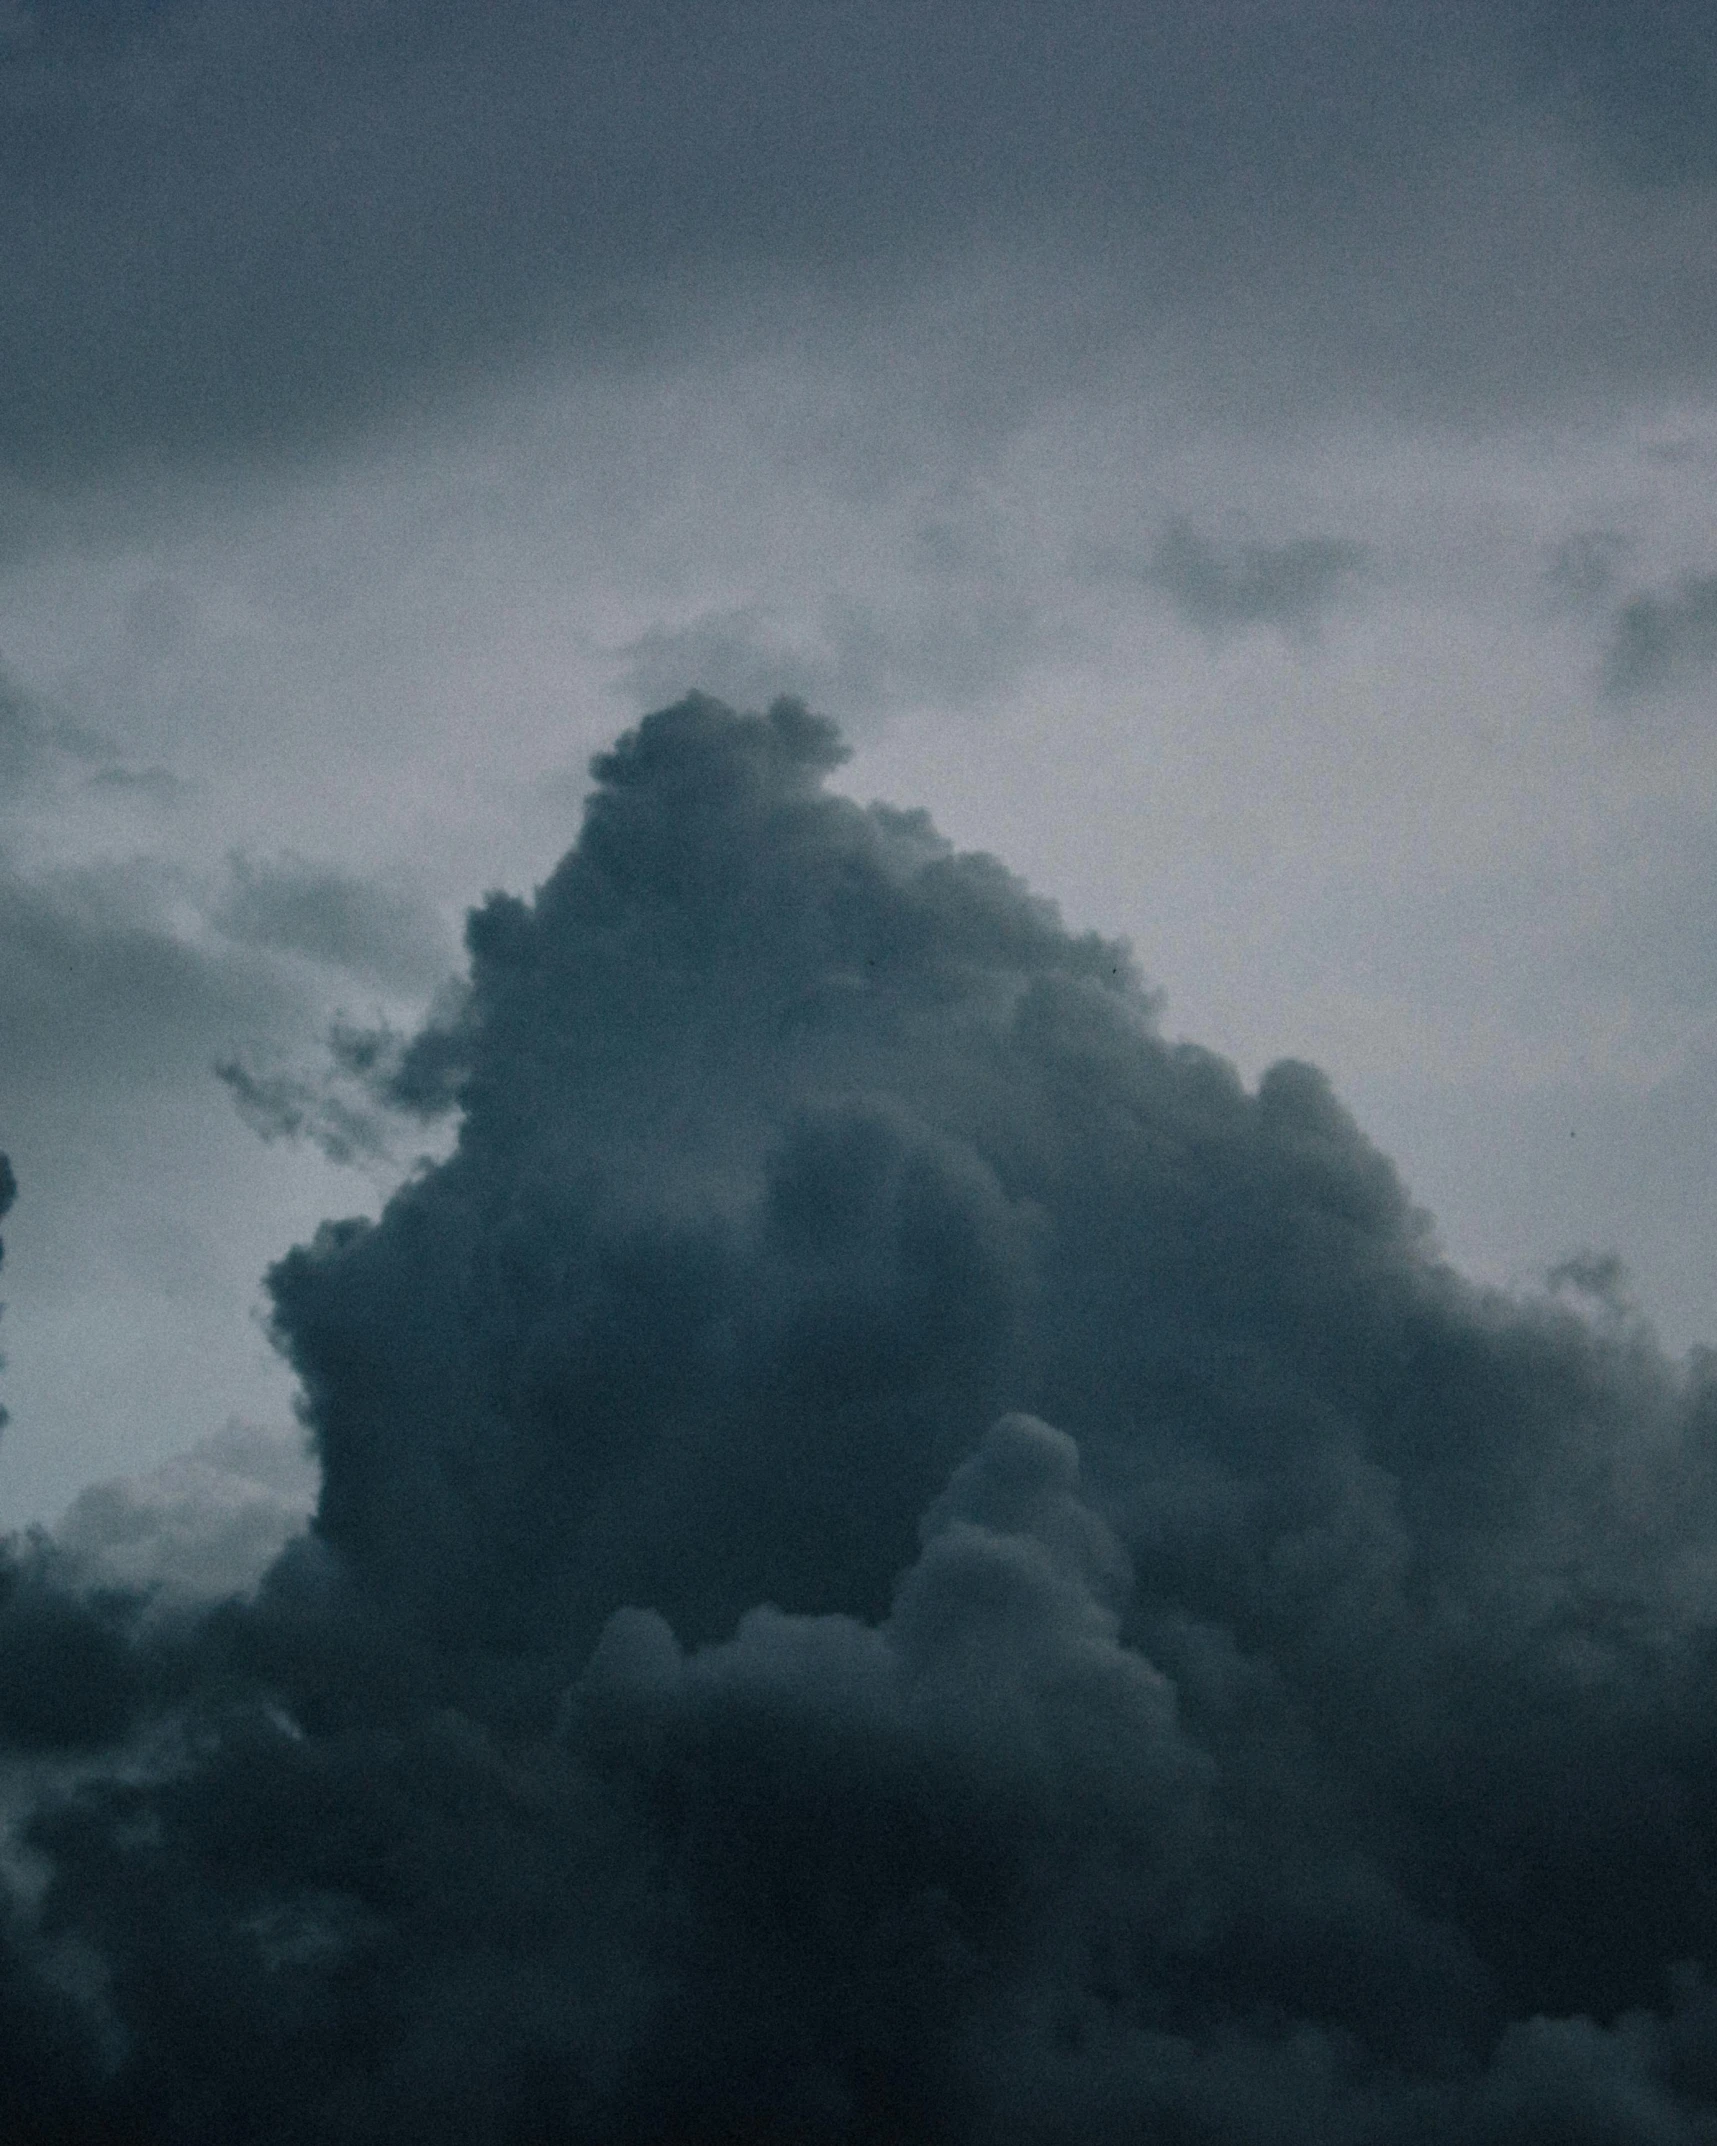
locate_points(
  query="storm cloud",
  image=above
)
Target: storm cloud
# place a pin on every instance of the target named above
(898, 1556)
(395, 405)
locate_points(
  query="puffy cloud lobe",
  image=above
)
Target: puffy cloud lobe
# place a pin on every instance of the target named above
(912, 1813)
(208, 1524)
(66, 1678)
(1000, 1661)
(759, 1269)
(713, 1701)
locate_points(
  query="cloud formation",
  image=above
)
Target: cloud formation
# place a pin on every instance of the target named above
(898, 1557)
(241, 231)
(204, 1526)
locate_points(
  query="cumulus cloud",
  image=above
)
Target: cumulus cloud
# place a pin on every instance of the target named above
(205, 1525)
(898, 1556)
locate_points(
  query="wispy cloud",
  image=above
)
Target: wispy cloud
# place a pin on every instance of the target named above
(1291, 586)
(1662, 640)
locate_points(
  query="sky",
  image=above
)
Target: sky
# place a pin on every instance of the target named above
(1246, 467)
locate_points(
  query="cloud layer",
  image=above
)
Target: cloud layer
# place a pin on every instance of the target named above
(241, 230)
(898, 1557)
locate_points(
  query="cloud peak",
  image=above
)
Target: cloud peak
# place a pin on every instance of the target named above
(898, 1556)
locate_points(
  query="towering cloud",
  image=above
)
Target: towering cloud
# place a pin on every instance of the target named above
(899, 1558)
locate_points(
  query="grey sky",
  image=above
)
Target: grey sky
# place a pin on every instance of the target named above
(235, 229)
(935, 1504)
(1247, 465)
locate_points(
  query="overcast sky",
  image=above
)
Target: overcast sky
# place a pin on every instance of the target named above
(1248, 465)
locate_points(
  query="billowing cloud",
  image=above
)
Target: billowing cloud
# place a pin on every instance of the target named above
(205, 1525)
(898, 1557)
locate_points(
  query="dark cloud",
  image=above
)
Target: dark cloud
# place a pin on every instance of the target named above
(898, 1557)
(236, 229)
(291, 1106)
(1663, 640)
(372, 1086)
(1290, 586)
(67, 1678)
